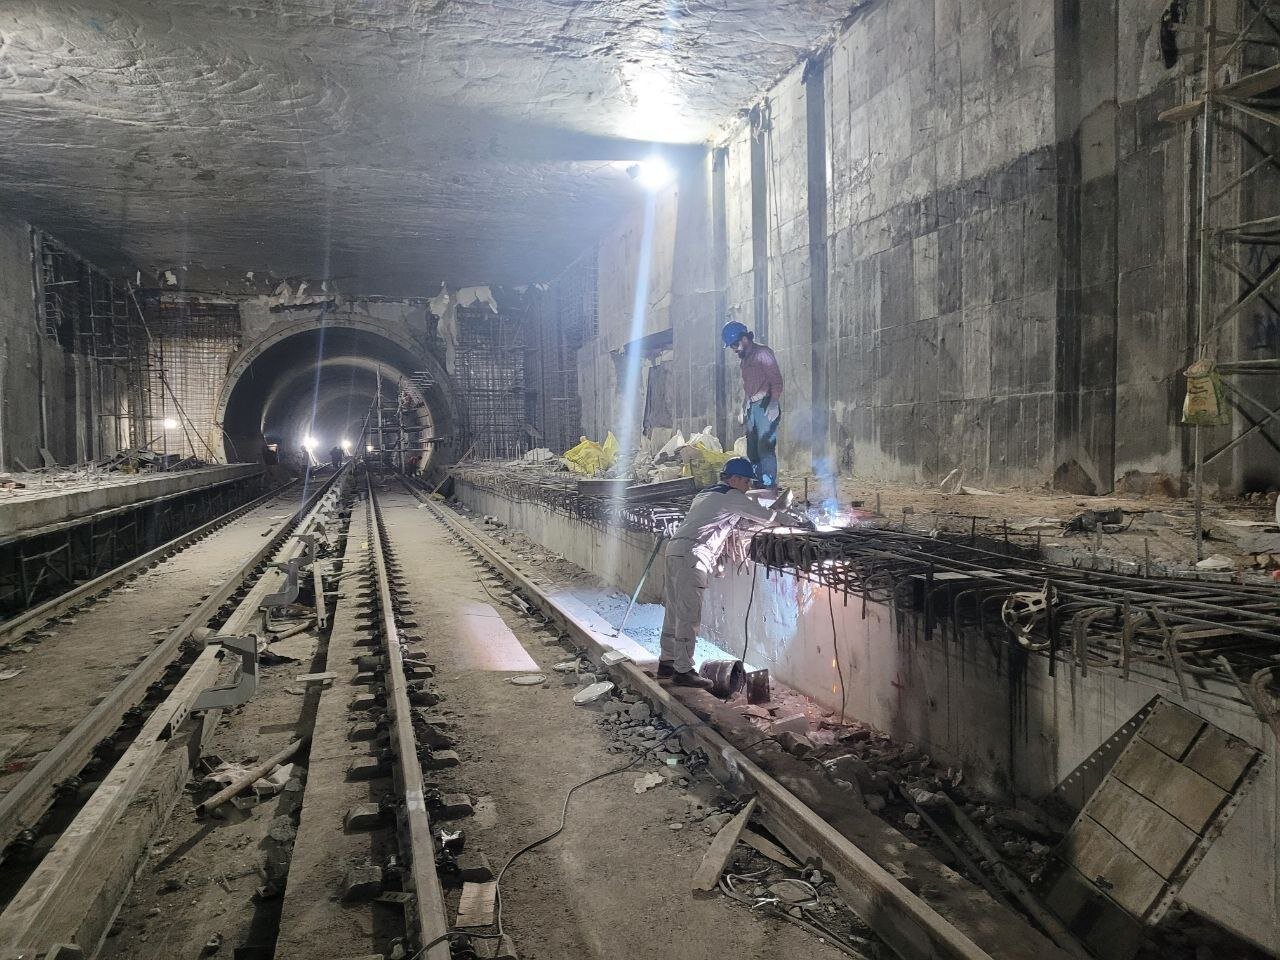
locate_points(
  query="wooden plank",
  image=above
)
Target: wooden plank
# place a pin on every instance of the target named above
(476, 906)
(1171, 728)
(763, 845)
(1181, 791)
(1247, 86)
(717, 855)
(1220, 757)
(1106, 861)
(1106, 930)
(1152, 834)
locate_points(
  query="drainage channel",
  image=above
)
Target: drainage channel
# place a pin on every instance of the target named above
(957, 920)
(66, 906)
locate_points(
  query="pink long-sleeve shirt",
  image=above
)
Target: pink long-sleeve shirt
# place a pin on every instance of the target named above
(760, 375)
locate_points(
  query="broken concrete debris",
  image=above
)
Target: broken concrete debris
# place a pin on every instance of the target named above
(362, 881)
(647, 782)
(797, 723)
(593, 693)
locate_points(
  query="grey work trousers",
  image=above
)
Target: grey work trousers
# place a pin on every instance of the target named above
(686, 582)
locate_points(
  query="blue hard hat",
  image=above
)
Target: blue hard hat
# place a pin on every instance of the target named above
(738, 467)
(732, 332)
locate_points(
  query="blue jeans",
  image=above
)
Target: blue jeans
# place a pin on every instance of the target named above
(762, 443)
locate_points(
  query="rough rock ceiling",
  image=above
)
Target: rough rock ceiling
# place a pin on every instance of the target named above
(388, 145)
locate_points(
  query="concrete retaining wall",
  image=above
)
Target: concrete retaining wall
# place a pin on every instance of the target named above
(31, 513)
(967, 701)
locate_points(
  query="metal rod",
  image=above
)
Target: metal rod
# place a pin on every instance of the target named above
(657, 546)
(1206, 259)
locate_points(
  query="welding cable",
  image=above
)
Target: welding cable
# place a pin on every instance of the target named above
(835, 655)
(533, 845)
(506, 603)
(770, 907)
(746, 620)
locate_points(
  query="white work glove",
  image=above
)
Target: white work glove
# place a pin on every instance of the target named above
(742, 413)
(773, 412)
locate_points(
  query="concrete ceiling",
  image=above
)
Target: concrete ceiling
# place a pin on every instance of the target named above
(387, 145)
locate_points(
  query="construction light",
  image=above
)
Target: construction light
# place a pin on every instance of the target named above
(170, 423)
(653, 173)
(309, 443)
(368, 448)
(346, 446)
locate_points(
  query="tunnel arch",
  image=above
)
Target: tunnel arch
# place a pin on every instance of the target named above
(318, 379)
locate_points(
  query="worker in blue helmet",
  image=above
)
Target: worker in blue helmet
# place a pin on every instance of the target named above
(692, 553)
(762, 400)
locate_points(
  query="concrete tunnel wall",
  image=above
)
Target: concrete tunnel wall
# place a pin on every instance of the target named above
(74, 406)
(962, 229)
(1009, 725)
(317, 368)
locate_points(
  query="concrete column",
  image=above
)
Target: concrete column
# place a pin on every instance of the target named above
(815, 80)
(759, 227)
(720, 271)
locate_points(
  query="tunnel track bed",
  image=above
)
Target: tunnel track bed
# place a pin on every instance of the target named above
(104, 729)
(75, 891)
(103, 584)
(906, 921)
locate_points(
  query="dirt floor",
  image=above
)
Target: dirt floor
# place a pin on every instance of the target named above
(74, 661)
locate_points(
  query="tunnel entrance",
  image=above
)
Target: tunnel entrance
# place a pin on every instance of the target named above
(314, 390)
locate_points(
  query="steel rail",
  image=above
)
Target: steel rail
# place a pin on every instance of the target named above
(22, 806)
(431, 922)
(56, 605)
(62, 901)
(914, 929)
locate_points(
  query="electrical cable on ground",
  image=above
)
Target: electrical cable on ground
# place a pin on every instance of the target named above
(533, 845)
(746, 619)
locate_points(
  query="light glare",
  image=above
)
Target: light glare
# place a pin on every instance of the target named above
(655, 173)
(170, 423)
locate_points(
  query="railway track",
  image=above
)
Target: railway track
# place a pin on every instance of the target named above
(25, 801)
(911, 926)
(363, 844)
(70, 600)
(63, 900)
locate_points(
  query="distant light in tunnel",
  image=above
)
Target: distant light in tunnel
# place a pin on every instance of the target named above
(653, 173)
(309, 443)
(346, 446)
(170, 423)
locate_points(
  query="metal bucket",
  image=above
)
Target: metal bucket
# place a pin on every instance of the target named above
(726, 676)
(758, 686)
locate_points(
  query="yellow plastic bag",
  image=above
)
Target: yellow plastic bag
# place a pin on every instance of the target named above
(590, 458)
(704, 464)
(609, 451)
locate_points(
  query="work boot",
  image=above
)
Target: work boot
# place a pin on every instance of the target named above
(666, 669)
(690, 678)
